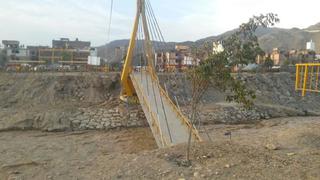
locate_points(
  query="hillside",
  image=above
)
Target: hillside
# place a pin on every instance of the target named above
(108, 51)
(269, 38)
(314, 27)
(285, 39)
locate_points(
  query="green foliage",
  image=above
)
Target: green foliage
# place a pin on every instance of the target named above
(286, 62)
(66, 56)
(3, 58)
(268, 63)
(241, 48)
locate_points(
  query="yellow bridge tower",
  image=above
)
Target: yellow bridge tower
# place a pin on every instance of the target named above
(126, 82)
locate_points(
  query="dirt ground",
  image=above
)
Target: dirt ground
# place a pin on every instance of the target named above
(275, 149)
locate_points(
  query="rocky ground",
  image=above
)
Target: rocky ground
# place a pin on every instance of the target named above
(58, 109)
(274, 149)
(82, 101)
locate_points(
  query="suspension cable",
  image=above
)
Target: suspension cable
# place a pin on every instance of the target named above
(110, 21)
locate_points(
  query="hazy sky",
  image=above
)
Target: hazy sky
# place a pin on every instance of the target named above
(39, 21)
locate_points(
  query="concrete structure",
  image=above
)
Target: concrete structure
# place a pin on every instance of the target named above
(217, 47)
(277, 57)
(261, 59)
(10, 44)
(171, 59)
(34, 52)
(188, 61)
(93, 58)
(64, 56)
(183, 49)
(65, 43)
(311, 46)
(119, 54)
(14, 51)
(180, 58)
(64, 51)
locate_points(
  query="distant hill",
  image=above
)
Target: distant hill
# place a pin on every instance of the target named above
(314, 27)
(108, 51)
(269, 38)
(285, 39)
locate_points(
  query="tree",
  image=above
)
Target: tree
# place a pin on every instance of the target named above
(3, 58)
(268, 63)
(66, 56)
(241, 48)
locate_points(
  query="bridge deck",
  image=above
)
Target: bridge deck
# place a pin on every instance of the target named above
(167, 123)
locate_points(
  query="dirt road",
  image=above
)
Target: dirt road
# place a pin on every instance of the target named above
(274, 149)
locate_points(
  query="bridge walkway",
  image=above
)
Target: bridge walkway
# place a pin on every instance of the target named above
(169, 126)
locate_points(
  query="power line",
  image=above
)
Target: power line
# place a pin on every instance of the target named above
(110, 21)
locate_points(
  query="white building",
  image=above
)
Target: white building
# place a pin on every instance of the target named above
(311, 46)
(217, 48)
(93, 59)
(188, 61)
(15, 51)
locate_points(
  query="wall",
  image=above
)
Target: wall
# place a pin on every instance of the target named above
(105, 119)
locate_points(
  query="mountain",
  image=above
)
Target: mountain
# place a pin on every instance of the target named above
(284, 39)
(269, 38)
(108, 51)
(315, 27)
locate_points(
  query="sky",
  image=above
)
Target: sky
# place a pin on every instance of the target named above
(38, 22)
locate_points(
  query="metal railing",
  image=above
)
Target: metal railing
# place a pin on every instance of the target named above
(155, 124)
(183, 118)
(307, 78)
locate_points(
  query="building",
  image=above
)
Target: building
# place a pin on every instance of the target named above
(65, 43)
(34, 52)
(180, 58)
(189, 61)
(217, 48)
(170, 59)
(119, 54)
(64, 56)
(311, 46)
(64, 51)
(183, 49)
(10, 44)
(93, 58)
(261, 59)
(277, 57)
(15, 51)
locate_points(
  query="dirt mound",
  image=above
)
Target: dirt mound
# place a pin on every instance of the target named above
(55, 89)
(46, 101)
(276, 97)
(276, 89)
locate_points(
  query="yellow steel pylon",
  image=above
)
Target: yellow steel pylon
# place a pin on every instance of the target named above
(127, 86)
